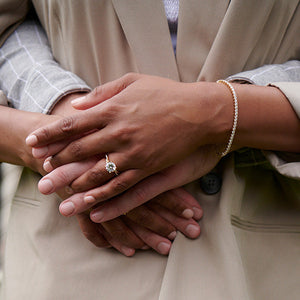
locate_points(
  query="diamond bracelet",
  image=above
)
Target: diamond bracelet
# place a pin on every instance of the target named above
(235, 116)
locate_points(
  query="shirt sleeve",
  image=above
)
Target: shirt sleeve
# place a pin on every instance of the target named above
(29, 76)
(285, 77)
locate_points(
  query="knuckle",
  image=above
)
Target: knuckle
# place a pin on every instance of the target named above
(96, 92)
(95, 175)
(68, 124)
(122, 134)
(137, 153)
(44, 133)
(101, 196)
(76, 149)
(120, 185)
(63, 177)
(129, 76)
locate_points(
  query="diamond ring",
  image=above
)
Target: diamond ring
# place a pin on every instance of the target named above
(110, 166)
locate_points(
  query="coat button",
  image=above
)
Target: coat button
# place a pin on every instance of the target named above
(210, 183)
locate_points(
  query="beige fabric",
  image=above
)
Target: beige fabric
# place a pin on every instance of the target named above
(3, 99)
(250, 242)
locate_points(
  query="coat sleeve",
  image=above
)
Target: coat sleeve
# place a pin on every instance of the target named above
(285, 76)
(29, 75)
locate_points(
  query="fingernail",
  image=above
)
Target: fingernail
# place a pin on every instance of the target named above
(192, 230)
(97, 216)
(47, 165)
(172, 235)
(188, 213)
(45, 186)
(89, 199)
(198, 213)
(163, 248)
(69, 190)
(78, 100)
(67, 208)
(39, 152)
(31, 140)
(146, 247)
(127, 251)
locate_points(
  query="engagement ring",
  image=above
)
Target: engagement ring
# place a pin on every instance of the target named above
(110, 166)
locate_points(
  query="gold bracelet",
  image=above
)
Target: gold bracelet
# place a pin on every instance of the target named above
(235, 116)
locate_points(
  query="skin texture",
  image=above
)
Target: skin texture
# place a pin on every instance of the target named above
(143, 228)
(153, 128)
(149, 226)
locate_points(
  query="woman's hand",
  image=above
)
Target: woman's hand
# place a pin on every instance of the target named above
(145, 123)
(153, 224)
(193, 167)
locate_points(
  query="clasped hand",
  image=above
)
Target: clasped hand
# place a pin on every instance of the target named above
(154, 129)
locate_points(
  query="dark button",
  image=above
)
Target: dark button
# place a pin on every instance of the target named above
(210, 183)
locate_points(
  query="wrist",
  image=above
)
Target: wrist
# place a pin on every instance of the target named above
(217, 104)
(64, 108)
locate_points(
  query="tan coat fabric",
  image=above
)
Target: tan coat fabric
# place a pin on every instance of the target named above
(250, 242)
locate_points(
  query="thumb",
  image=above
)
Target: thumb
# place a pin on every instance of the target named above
(104, 92)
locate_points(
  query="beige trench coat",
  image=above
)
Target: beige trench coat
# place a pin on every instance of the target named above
(250, 242)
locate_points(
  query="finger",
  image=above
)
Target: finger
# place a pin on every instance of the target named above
(96, 143)
(155, 241)
(147, 218)
(105, 169)
(103, 92)
(65, 128)
(142, 192)
(80, 202)
(91, 231)
(192, 201)
(63, 176)
(51, 149)
(117, 185)
(73, 205)
(77, 123)
(43, 152)
(93, 177)
(189, 228)
(120, 232)
(180, 202)
(127, 251)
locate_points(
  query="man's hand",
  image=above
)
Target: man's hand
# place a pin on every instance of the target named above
(145, 123)
(146, 226)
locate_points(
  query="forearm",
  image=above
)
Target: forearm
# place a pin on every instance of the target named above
(15, 126)
(266, 119)
(29, 75)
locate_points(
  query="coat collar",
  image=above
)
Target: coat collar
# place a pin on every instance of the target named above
(206, 30)
(146, 29)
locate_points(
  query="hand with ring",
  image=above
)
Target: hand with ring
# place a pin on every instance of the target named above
(152, 225)
(144, 123)
(149, 227)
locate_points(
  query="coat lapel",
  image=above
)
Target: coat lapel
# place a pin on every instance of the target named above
(146, 29)
(198, 24)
